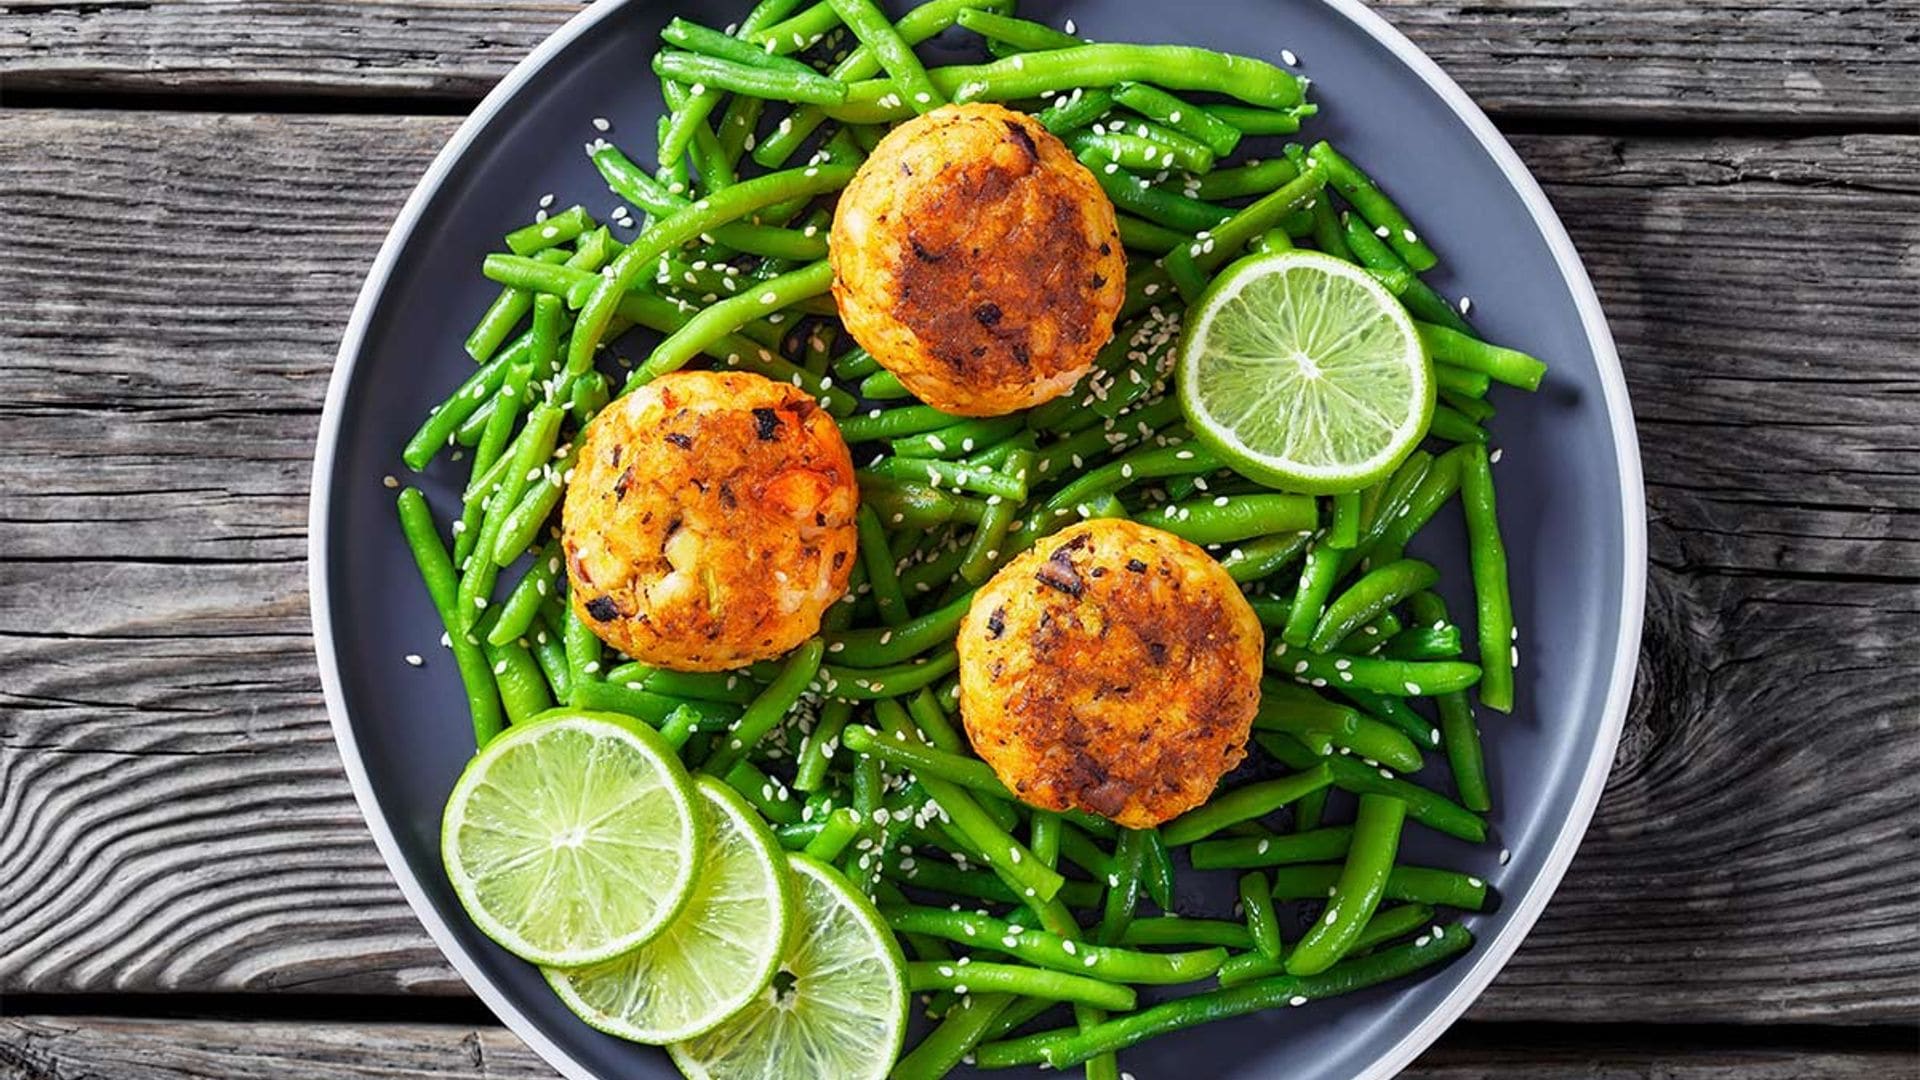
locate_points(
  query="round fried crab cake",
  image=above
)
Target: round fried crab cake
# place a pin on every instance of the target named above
(1113, 668)
(978, 260)
(710, 521)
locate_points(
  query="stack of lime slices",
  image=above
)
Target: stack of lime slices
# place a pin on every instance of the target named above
(662, 909)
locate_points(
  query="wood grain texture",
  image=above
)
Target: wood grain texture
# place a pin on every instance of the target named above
(61, 1047)
(172, 815)
(1626, 60)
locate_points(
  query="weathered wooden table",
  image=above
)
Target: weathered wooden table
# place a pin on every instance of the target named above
(191, 191)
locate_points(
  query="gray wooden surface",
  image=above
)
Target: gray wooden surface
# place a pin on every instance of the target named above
(187, 222)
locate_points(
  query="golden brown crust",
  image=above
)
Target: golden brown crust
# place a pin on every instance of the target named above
(1113, 668)
(710, 521)
(977, 260)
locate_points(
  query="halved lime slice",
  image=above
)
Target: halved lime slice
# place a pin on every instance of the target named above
(572, 838)
(837, 1008)
(719, 954)
(1303, 372)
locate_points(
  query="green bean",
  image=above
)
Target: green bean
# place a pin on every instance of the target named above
(1071, 112)
(552, 658)
(1250, 121)
(937, 473)
(1156, 868)
(1172, 930)
(770, 707)
(437, 430)
(490, 452)
(530, 451)
(1375, 206)
(436, 571)
(496, 324)
(728, 315)
(934, 726)
(881, 647)
(955, 440)
(1022, 34)
(1398, 678)
(632, 183)
(1419, 298)
(1309, 812)
(1391, 923)
(989, 540)
(1380, 589)
(1493, 602)
(1343, 531)
(692, 115)
(699, 39)
(896, 423)
(877, 33)
(1450, 424)
(1324, 226)
(1254, 178)
(1429, 808)
(1175, 67)
(1249, 852)
(1014, 979)
(523, 604)
(583, 650)
(1461, 382)
(730, 687)
(1413, 884)
(799, 32)
(883, 386)
(1016, 1016)
(1383, 927)
(524, 521)
(924, 761)
(765, 794)
(1345, 727)
(797, 837)
(915, 26)
(717, 209)
(816, 753)
(877, 557)
(1433, 491)
(1244, 804)
(991, 844)
(1317, 579)
(1043, 837)
(1192, 120)
(694, 69)
(1502, 365)
(1395, 712)
(1143, 464)
(523, 689)
(561, 228)
(1052, 951)
(1264, 557)
(1256, 899)
(1123, 886)
(943, 877)
(1475, 409)
(944, 1046)
(1136, 196)
(1425, 643)
(1129, 150)
(1357, 893)
(1229, 238)
(1141, 235)
(1225, 519)
(1064, 1048)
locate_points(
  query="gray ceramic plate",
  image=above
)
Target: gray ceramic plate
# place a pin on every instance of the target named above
(1569, 485)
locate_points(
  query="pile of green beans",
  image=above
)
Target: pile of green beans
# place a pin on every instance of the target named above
(853, 745)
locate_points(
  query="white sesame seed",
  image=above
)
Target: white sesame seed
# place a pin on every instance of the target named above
(414, 659)
(600, 123)
(1070, 28)
(1504, 856)
(1287, 58)
(1409, 236)
(1466, 304)
(1383, 232)
(1494, 458)
(1412, 688)
(1296, 1001)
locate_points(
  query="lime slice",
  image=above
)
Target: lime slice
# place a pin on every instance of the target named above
(1303, 372)
(573, 838)
(837, 1008)
(719, 954)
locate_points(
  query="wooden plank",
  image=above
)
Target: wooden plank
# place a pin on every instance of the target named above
(1621, 61)
(172, 816)
(51, 1047)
